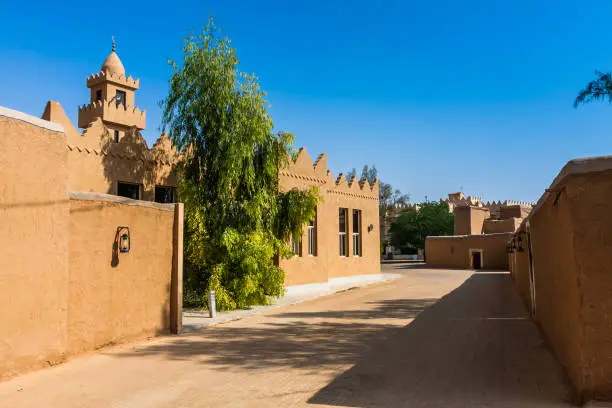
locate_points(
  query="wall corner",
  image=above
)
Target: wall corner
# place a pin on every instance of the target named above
(176, 296)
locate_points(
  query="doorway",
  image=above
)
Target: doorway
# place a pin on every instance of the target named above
(476, 258)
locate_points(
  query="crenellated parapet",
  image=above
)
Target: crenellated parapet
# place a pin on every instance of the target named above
(164, 152)
(118, 79)
(112, 112)
(97, 139)
(519, 203)
(468, 201)
(495, 207)
(317, 174)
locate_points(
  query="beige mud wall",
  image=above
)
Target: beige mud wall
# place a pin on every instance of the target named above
(96, 163)
(61, 290)
(33, 243)
(557, 293)
(571, 238)
(129, 161)
(497, 226)
(591, 195)
(469, 220)
(336, 194)
(510, 211)
(519, 268)
(454, 251)
(115, 297)
(477, 217)
(462, 220)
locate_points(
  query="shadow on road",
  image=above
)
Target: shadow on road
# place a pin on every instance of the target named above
(308, 340)
(476, 347)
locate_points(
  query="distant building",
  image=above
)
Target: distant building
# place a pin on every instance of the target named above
(459, 199)
(481, 233)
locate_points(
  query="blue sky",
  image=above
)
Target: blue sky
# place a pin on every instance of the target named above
(439, 95)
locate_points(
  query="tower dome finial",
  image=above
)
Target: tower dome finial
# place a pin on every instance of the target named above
(112, 63)
(114, 46)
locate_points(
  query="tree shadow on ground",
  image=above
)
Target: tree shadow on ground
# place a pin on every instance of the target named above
(476, 347)
(299, 341)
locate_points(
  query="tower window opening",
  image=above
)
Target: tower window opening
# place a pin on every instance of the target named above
(120, 98)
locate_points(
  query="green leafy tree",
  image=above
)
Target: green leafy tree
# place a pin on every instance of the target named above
(387, 196)
(598, 89)
(414, 224)
(238, 222)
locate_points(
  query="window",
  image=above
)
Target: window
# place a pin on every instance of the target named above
(356, 232)
(164, 194)
(343, 225)
(120, 98)
(296, 246)
(312, 237)
(128, 190)
(116, 136)
(99, 95)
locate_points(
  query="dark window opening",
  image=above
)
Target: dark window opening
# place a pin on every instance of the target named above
(116, 136)
(164, 194)
(342, 223)
(120, 97)
(296, 246)
(99, 95)
(312, 237)
(356, 232)
(128, 190)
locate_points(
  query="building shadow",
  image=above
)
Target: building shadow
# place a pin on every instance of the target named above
(127, 160)
(475, 347)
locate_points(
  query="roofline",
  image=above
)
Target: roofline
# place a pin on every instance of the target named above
(573, 167)
(467, 236)
(33, 120)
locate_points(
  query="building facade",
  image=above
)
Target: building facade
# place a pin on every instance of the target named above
(110, 156)
(344, 238)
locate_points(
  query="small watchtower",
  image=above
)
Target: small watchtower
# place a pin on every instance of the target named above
(113, 98)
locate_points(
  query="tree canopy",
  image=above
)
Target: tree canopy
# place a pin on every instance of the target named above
(389, 197)
(598, 89)
(386, 195)
(416, 223)
(237, 221)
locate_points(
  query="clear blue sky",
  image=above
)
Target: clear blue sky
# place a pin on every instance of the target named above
(437, 94)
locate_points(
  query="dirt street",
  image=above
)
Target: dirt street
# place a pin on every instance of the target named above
(433, 338)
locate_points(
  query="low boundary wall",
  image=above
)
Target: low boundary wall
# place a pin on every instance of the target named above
(65, 287)
(455, 251)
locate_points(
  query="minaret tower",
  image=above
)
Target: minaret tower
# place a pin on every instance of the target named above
(112, 99)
